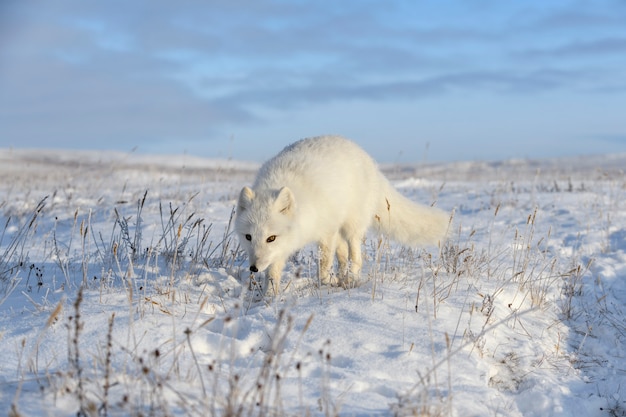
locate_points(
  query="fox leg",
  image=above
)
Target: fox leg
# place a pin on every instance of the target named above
(352, 233)
(274, 273)
(355, 256)
(342, 257)
(327, 255)
(356, 261)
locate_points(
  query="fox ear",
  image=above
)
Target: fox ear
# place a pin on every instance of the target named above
(285, 201)
(245, 198)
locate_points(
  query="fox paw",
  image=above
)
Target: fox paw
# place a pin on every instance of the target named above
(349, 280)
(329, 279)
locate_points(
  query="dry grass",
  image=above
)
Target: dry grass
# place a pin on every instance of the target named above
(513, 272)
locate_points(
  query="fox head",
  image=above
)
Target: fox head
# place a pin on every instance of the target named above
(263, 222)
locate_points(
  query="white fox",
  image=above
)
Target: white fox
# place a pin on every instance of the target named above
(326, 190)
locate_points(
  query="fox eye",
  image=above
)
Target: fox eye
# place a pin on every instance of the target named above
(271, 239)
(248, 237)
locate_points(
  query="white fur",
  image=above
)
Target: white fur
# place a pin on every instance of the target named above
(326, 190)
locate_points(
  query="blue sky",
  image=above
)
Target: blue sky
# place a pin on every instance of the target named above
(408, 80)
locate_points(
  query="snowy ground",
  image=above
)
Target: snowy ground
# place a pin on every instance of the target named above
(123, 293)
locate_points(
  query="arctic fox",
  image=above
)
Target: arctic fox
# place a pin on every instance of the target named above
(327, 190)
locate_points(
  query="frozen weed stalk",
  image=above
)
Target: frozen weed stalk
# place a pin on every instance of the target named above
(15, 255)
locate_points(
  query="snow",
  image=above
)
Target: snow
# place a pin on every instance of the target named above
(122, 292)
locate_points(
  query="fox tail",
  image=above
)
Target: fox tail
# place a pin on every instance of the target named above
(408, 222)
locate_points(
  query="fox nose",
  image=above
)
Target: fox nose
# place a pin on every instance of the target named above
(253, 268)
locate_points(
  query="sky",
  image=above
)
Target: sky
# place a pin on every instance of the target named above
(409, 80)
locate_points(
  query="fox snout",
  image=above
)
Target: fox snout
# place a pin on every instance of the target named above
(258, 265)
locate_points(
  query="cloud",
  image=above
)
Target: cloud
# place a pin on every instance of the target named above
(74, 83)
(617, 138)
(130, 71)
(107, 100)
(601, 15)
(615, 46)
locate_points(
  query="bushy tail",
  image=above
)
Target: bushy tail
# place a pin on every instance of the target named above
(408, 222)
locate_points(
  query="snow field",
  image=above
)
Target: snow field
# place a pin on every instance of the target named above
(124, 293)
